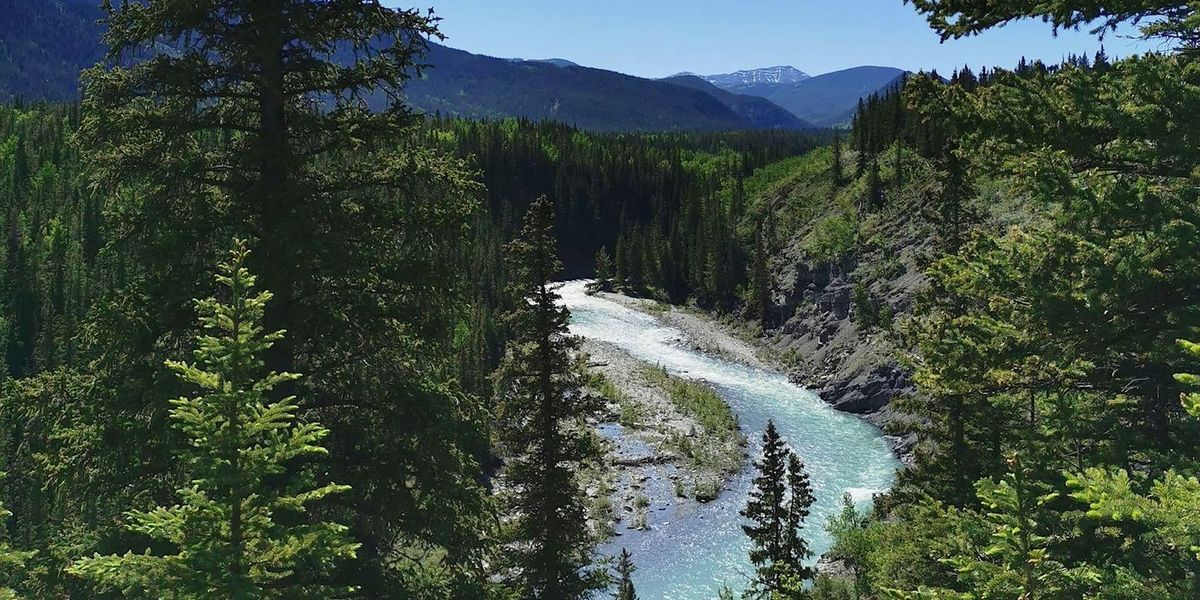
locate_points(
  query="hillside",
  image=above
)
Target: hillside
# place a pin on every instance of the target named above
(839, 281)
(469, 85)
(43, 46)
(759, 112)
(830, 99)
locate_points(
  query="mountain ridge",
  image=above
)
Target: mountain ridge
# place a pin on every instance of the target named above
(470, 85)
(754, 82)
(46, 44)
(829, 100)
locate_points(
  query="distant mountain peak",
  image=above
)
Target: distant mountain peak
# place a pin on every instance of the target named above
(777, 75)
(558, 62)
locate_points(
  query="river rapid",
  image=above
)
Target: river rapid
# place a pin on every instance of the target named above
(692, 549)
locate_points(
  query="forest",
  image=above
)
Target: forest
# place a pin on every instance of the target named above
(263, 342)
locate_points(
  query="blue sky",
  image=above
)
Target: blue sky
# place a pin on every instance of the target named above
(655, 38)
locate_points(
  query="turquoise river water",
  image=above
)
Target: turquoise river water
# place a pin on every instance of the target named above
(691, 549)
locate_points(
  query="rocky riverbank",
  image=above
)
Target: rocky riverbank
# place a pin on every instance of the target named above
(662, 454)
(851, 367)
(651, 444)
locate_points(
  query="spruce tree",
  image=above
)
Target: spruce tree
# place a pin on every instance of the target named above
(625, 569)
(243, 527)
(778, 507)
(604, 272)
(1172, 21)
(12, 561)
(284, 122)
(1190, 397)
(861, 148)
(540, 427)
(635, 261)
(836, 169)
(1016, 561)
(874, 200)
(622, 263)
(768, 514)
(760, 278)
(800, 501)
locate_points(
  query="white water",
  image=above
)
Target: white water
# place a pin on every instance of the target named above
(690, 551)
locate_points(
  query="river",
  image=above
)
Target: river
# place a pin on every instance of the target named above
(691, 549)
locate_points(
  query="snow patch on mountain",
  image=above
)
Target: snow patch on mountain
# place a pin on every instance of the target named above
(779, 75)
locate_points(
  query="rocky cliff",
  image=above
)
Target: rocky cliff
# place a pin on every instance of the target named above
(844, 273)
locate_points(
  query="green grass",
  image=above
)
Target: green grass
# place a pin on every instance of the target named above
(598, 474)
(630, 414)
(695, 400)
(715, 448)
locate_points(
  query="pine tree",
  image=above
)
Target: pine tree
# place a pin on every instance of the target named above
(950, 213)
(1173, 22)
(625, 569)
(1016, 562)
(12, 561)
(540, 426)
(1190, 398)
(836, 170)
(622, 263)
(278, 121)
(242, 529)
(778, 507)
(604, 272)
(800, 501)
(768, 514)
(760, 278)
(860, 139)
(874, 200)
(635, 261)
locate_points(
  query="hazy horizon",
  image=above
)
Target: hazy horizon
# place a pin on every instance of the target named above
(707, 37)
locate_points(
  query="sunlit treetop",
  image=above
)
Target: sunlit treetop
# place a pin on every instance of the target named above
(1173, 21)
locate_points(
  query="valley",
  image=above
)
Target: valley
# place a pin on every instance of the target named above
(691, 550)
(316, 299)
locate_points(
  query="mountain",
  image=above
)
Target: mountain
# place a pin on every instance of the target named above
(830, 99)
(824, 101)
(44, 44)
(558, 62)
(755, 82)
(760, 112)
(475, 86)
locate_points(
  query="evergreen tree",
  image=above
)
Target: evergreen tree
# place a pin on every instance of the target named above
(635, 261)
(760, 278)
(861, 144)
(540, 426)
(768, 514)
(603, 282)
(1016, 561)
(12, 561)
(800, 501)
(1191, 397)
(622, 263)
(243, 527)
(625, 569)
(278, 121)
(1170, 512)
(874, 200)
(1173, 21)
(837, 170)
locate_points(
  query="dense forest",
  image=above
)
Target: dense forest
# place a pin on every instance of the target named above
(262, 342)
(1048, 350)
